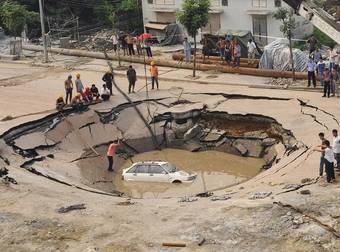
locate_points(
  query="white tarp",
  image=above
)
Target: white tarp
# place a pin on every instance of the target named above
(276, 56)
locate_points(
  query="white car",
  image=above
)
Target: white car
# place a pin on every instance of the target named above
(156, 171)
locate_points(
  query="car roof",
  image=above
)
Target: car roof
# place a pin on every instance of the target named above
(154, 162)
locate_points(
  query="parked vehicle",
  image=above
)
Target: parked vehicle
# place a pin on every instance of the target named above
(156, 171)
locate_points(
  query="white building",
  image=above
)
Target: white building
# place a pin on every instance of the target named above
(250, 15)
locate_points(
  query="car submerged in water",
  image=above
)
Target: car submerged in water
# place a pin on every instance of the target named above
(156, 171)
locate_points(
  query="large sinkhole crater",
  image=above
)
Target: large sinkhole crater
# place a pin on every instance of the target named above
(223, 149)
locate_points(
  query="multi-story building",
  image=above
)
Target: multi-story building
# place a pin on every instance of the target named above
(250, 15)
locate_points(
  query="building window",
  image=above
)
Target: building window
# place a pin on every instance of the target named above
(224, 2)
(150, 1)
(278, 3)
(260, 3)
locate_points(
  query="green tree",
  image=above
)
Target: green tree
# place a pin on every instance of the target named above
(288, 25)
(194, 16)
(13, 17)
(103, 11)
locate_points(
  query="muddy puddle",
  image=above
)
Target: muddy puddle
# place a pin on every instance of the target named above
(216, 170)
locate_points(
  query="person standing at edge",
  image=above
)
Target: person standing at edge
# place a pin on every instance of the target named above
(221, 47)
(108, 79)
(154, 75)
(329, 161)
(79, 85)
(187, 50)
(320, 70)
(322, 158)
(326, 83)
(132, 78)
(251, 51)
(336, 148)
(237, 54)
(69, 88)
(111, 154)
(311, 66)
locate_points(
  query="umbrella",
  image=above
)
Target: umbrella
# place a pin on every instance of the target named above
(145, 36)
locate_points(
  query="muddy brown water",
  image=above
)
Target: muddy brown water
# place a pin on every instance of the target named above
(216, 170)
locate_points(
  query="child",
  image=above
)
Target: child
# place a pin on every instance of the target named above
(329, 161)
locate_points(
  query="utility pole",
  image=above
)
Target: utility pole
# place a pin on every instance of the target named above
(43, 30)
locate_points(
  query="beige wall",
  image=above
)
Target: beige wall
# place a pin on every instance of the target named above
(214, 23)
(166, 17)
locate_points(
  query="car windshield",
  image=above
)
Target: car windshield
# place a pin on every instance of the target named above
(170, 167)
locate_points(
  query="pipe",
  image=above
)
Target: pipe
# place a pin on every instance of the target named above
(168, 63)
(180, 56)
(243, 63)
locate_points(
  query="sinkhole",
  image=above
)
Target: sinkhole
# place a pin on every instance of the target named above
(222, 149)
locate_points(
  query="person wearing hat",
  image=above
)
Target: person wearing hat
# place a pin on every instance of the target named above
(154, 74)
(68, 88)
(79, 85)
(60, 104)
(108, 79)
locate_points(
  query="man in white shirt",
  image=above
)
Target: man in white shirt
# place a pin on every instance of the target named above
(336, 148)
(251, 51)
(105, 93)
(327, 151)
(115, 42)
(311, 67)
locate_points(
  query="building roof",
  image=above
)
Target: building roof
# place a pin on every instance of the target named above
(156, 26)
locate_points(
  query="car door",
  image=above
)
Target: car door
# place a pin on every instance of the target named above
(141, 173)
(158, 174)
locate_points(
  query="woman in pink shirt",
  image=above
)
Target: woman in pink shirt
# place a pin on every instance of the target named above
(111, 152)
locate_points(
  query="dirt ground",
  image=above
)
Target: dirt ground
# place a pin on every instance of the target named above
(305, 219)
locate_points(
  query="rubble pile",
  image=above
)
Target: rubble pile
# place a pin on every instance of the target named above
(100, 42)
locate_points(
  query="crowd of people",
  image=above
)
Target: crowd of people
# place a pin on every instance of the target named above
(88, 95)
(132, 45)
(229, 50)
(330, 155)
(324, 67)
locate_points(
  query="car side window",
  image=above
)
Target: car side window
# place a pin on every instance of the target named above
(156, 169)
(142, 169)
(133, 169)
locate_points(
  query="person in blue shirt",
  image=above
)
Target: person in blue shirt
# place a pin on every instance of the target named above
(311, 66)
(321, 69)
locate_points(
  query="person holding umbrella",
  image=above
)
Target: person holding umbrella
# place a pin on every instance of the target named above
(147, 43)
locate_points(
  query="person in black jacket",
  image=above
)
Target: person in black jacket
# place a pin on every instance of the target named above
(108, 79)
(132, 78)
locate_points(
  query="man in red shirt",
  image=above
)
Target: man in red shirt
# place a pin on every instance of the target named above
(111, 152)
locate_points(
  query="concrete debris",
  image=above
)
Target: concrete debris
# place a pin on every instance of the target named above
(222, 197)
(292, 187)
(193, 132)
(240, 148)
(260, 195)
(187, 199)
(71, 208)
(205, 194)
(269, 142)
(306, 180)
(99, 42)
